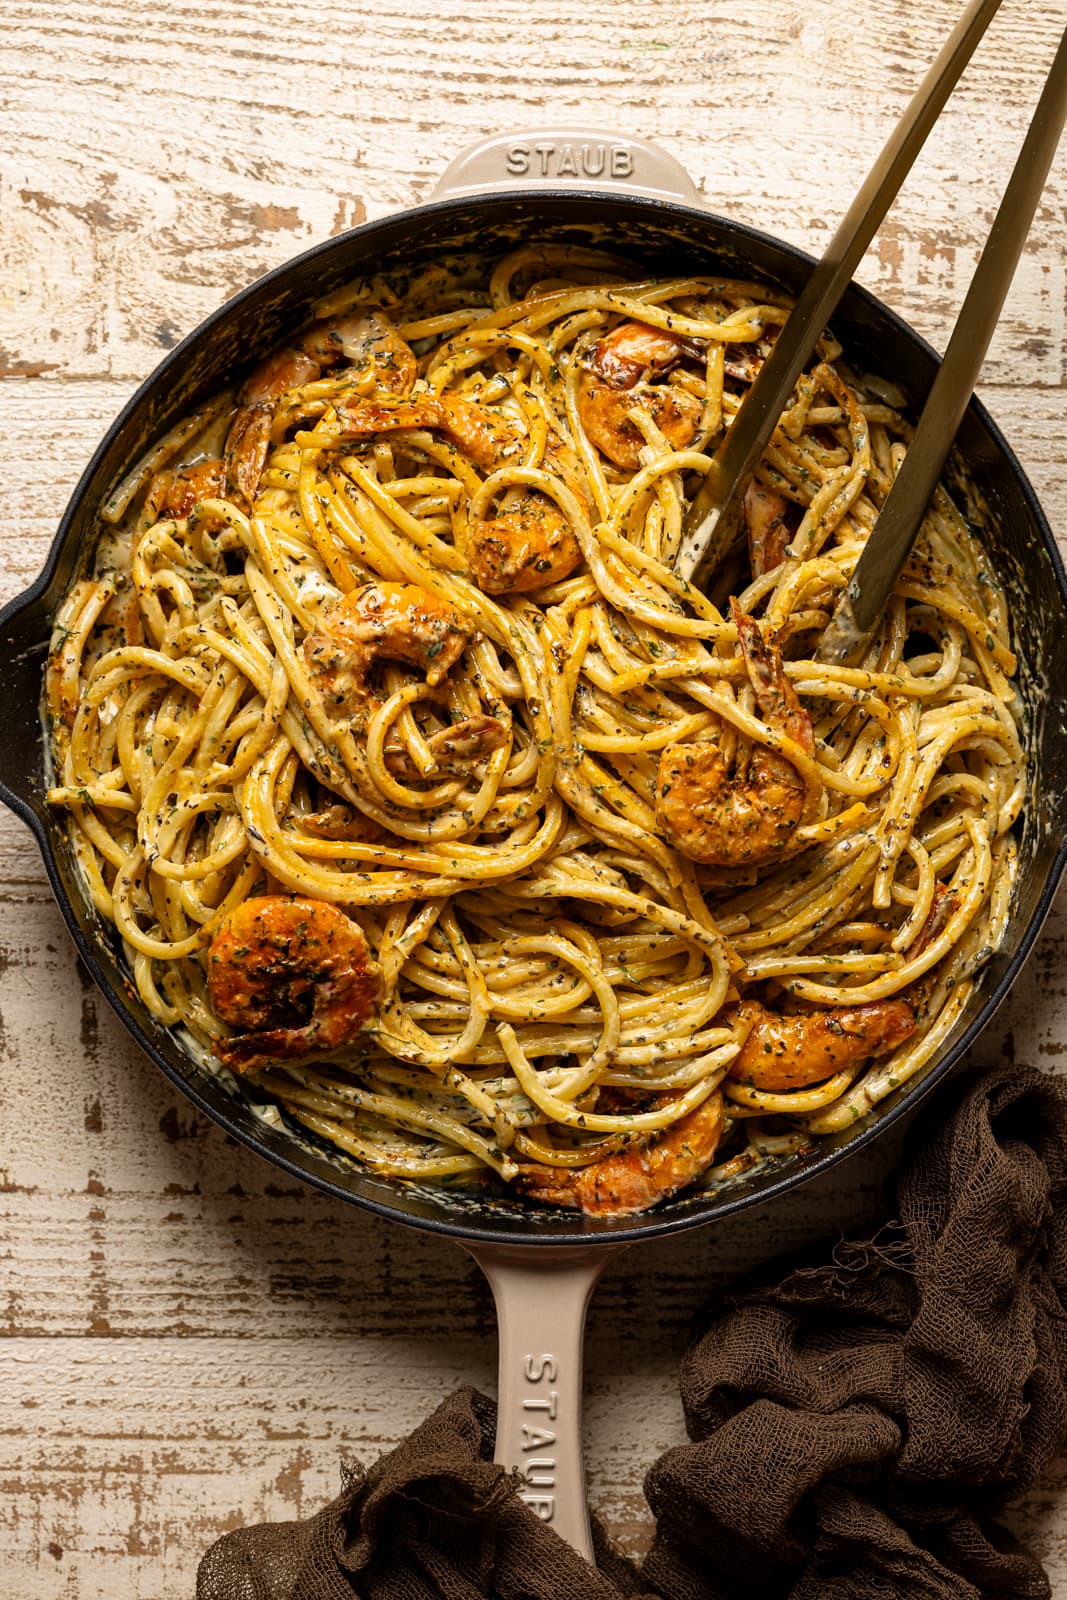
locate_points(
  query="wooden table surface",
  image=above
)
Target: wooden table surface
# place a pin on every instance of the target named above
(193, 1341)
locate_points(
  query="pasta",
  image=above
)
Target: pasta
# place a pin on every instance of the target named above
(419, 787)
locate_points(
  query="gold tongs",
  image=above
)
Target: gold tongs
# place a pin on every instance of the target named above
(714, 521)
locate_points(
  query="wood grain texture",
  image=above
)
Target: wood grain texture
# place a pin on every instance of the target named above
(191, 1340)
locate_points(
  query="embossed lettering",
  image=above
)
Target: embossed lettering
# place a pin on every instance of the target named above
(542, 1505)
(538, 1367)
(548, 1405)
(540, 1471)
(536, 1438)
(569, 161)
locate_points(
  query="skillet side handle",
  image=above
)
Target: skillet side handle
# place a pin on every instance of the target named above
(25, 629)
(566, 158)
(541, 1299)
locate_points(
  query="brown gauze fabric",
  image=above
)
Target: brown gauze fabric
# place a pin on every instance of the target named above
(857, 1422)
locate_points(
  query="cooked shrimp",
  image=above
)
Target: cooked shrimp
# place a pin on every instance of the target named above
(789, 1052)
(619, 377)
(743, 361)
(366, 339)
(635, 1179)
(634, 349)
(381, 622)
(295, 974)
(204, 481)
(528, 545)
(729, 819)
(722, 818)
(944, 904)
(783, 1053)
(482, 435)
(768, 535)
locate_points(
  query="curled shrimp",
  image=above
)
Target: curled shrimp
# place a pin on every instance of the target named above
(396, 622)
(295, 975)
(768, 535)
(745, 817)
(633, 1180)
(528, 544)
(366, 340)
(790, 1052)
(482, 435)
(206, 480)
(619, 377)
(381, 621)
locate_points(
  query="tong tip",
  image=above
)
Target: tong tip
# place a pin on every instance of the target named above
(844, 641)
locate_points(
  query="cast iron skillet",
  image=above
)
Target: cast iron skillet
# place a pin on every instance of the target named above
(659, 222)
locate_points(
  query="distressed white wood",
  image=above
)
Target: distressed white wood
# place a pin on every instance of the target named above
(191, 1340)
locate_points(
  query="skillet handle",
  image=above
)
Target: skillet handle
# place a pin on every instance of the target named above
(541, 1298)
(566, 158)
(25, 630)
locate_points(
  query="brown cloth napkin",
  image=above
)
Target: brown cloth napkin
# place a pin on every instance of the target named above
(857, 1421)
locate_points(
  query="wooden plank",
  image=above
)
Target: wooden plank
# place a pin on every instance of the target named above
(117, 253)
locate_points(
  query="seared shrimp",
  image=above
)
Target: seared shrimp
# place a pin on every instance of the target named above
(382, 622)
(619, 377)
(204, 481)
(295, 974)
(729, 819)
(529, 544)
(396, 622)
(789, 1052)
(634, 349)
(481, 434)
(635, 1179)
(768, 535)
(366, 339)
(783, 1053)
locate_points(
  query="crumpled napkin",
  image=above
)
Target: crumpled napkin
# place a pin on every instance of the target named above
(857, 1420)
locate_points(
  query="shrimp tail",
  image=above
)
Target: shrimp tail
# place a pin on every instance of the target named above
(247, 448)
(632, 1180)
(768, 536)
(243, 1051)
(777, 698)
(455, 749)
